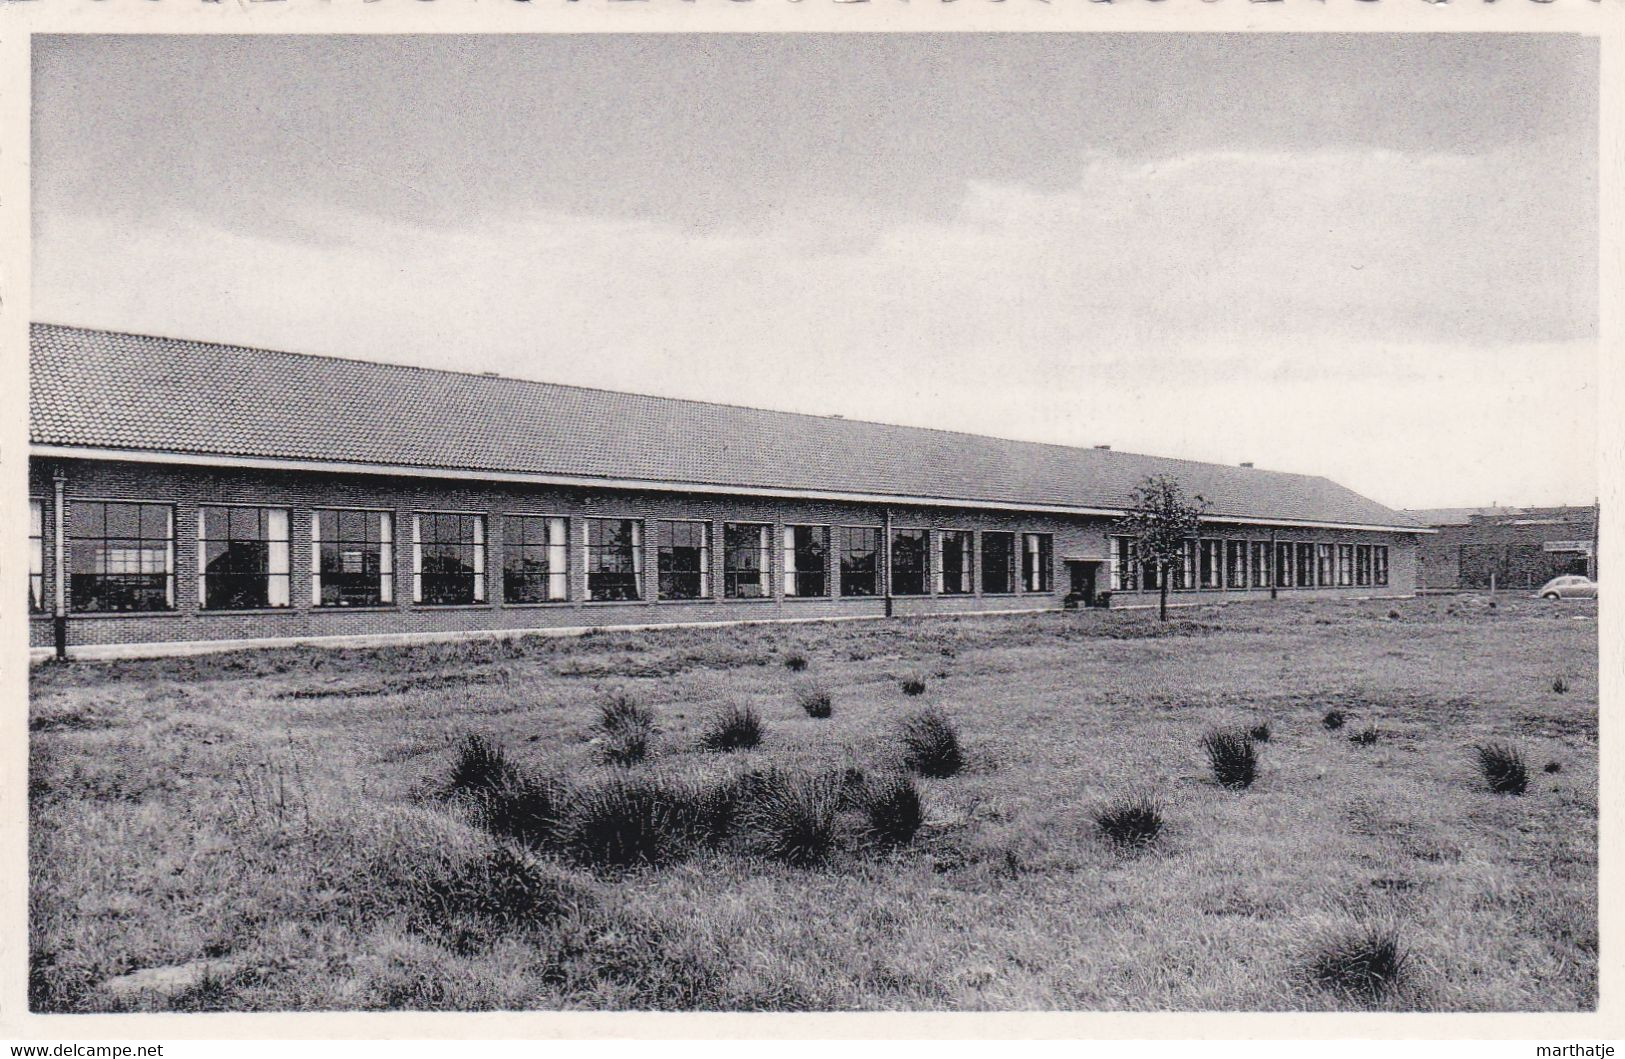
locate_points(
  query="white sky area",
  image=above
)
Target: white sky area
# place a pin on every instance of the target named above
(1372, 258)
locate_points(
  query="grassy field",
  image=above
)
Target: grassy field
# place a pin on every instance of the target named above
(268, 830)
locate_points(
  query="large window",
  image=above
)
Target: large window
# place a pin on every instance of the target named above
(535, 558)
(1259, 576)
(1325, 572)
(448, 559)
(353, 558)
(908, 562)
(1124, 569)
(998, 563)
(684, 559)
(1305, 565)
(1362, 564)
(1283, 564)
(747, 552)
(1345, 564)
(1182, 574)
(1212, 564)
(1379, 563)
(121, 556)
(242, 558)
(1235, 564)
(806, 551)
(614, 558)
(36, 556)
(860, 560)
(1037, 574)
(954, 565)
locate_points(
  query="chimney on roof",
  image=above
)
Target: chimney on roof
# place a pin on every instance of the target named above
(1248, 463)
(1104, 448)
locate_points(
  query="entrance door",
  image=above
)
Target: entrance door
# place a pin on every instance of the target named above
(1081, 577)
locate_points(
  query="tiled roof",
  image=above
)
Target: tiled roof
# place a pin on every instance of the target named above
(1462, 516)
(122, 391)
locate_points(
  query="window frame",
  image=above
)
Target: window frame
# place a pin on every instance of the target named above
(387, 545)
(480, 546)
(171, 598)
(844, 573)
(923, 572)
(1261, 556)
(761, 548)
(547, 576)
(36, 557)
(1210, 564)
(1010, 568)
(637, 546)
(1325, 565)
(203, 542)
(967, 565)
(1343, 564)
(1043, 564)
(1303, 565)
(1362, 565)
(1237, 557)
(701, 577)
(791, 571)
(1379, 565)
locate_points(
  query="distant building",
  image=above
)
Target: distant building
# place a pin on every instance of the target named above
(1523, 547)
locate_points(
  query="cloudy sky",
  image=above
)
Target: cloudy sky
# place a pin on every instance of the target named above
(1369, 257)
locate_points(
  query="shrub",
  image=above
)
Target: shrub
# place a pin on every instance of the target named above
(815, 699)
(733, 727)
(1366, 963)
(892, 809)
(479, 899)
(1503, 768)
(621, 712)
(1366, 736)
(793, 817)
(1130, 821)
(1333, 720)
(795, 661)
(625, 821)
(482, 766)
(1260, 732)
(1393, 615)
(930, 744)
(1553, 766)
(1560, 685)
(1232, 758)
(913, 686)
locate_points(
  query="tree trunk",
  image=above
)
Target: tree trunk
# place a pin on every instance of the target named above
(1162, 589)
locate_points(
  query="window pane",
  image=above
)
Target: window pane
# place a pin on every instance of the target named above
(997, 556)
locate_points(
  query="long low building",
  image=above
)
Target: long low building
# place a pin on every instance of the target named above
(187, 495)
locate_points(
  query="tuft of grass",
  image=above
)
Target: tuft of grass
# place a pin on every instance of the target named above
(1366, 963)
(1393, 615)
(482, 766)
(475, 902)
(1560, 685)
(626, 729)
(1232, 758)
(892, 808)
(931, 744)
(733, 727)
(1366, 736)
(793, 817)
(913, 686)
(524, 807)
(1260, 732)
(1130, 821)
(815, 700)
(627, 821)
(795, 661)
(1554, 766)
(1503, 768)
(620, 711)
(1333, 720)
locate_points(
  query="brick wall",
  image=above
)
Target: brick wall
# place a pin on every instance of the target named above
(187, 487)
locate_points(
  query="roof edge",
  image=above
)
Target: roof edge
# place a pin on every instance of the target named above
(177, 457)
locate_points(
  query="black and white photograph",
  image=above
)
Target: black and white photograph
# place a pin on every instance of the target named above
(833, 522)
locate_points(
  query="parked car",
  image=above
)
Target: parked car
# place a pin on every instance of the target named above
(1569, 586)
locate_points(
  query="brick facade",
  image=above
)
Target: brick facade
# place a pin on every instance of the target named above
(1512, 546)
(186, 487)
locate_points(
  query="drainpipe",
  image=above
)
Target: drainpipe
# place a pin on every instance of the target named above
(59, 604)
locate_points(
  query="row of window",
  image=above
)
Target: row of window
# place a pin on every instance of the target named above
(121, 557)
(1254, 564)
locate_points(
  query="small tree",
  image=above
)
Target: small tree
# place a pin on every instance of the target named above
(1159, 521)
